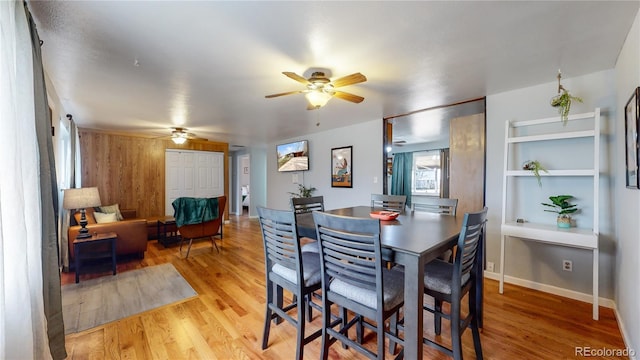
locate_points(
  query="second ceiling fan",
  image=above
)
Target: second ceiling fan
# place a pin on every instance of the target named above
(320, 88)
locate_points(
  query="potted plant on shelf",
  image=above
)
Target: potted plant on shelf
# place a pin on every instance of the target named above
(303, 191)
(561, 206)
(535, 167)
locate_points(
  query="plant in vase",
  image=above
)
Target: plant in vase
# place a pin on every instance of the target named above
(561, 206)
(303, 192)
(535, 167)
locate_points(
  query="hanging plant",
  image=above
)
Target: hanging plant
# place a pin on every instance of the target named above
(563, 101)
(535, 167)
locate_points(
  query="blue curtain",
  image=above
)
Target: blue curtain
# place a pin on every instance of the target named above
(401, 175)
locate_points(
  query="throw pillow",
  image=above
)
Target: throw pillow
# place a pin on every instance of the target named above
(112, 209)
(102, 218)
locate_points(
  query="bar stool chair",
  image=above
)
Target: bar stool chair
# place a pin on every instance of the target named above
(389, 202)
(447, 282)
(306, 205)
(354, 278)
(286, 267)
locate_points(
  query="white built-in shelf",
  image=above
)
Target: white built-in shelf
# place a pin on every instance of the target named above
(566, 172)
(550, 233)
(554, 136)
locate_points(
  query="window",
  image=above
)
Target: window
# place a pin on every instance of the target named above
(427, 173)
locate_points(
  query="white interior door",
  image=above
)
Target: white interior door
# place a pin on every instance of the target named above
(193, 174)
(210, 170)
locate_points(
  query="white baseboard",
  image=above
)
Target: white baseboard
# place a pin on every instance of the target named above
(588, 298)
(625, 335)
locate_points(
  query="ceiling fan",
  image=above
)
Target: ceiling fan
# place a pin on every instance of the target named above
(179, 135)
(320, 89)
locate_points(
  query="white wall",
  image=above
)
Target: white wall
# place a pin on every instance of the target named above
(366, 139)
(627, 267)
(533, 261)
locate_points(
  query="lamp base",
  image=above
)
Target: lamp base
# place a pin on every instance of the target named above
(84, 232)
(83, 236)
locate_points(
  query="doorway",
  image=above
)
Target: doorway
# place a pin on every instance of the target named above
(244, 185)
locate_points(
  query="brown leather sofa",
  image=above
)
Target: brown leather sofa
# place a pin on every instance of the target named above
(132, 233)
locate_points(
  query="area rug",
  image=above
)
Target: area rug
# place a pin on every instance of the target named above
(101, 300)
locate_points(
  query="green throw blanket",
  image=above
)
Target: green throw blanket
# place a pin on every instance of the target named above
(188, 210)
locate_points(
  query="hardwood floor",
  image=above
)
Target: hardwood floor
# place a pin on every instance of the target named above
(225, 320)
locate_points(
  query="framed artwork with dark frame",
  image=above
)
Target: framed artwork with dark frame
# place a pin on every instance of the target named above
(342, 167)
(631, 124)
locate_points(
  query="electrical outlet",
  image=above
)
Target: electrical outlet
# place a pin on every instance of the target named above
(490, 266)
(567, 265)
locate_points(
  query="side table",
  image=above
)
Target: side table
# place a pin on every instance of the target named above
(167, 225)
(85, 249)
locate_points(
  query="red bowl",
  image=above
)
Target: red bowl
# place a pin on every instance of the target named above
(384, 215)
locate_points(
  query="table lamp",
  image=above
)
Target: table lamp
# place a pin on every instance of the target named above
(81, 198)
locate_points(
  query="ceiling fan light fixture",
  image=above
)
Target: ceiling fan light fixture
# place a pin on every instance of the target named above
(178, 140)
(317, 98)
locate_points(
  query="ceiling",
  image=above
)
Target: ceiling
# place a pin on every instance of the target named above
(143, 67)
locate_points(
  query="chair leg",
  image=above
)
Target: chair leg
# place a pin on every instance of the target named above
(326, 322)
(307, 304)
(393, 328)
(437, 318)
(476, 320)
(267, 316)
(344, 324)
(300, 325)
(380, 338)
(456, 332)
(189, 248)
(475, 331)
(213, 244)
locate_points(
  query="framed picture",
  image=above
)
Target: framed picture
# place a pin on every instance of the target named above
(341, 167)
(631, 111)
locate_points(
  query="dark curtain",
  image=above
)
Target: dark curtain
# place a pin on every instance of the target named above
(401, 175)
(49, 198)
(444, 173)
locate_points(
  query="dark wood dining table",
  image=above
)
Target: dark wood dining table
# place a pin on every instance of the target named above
(415, 239)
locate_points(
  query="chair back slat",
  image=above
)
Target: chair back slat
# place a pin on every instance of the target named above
(307, 204)
(350, 249)
(445, 206)
(280, 239)
(389, 202)
(468, 242)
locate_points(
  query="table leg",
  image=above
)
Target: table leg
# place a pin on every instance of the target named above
(76, 252)
(113, 255)
(413, 307)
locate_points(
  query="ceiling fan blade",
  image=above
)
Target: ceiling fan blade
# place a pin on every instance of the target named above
(349, 80)
(284, 93)
(297, 77)
(349, 97)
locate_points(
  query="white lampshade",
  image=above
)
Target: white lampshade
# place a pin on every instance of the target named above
(81, 198)
(317, 98)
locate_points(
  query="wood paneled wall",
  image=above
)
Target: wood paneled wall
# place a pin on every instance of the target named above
(129, 170)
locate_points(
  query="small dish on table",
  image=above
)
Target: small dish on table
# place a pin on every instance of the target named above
(384, 215)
